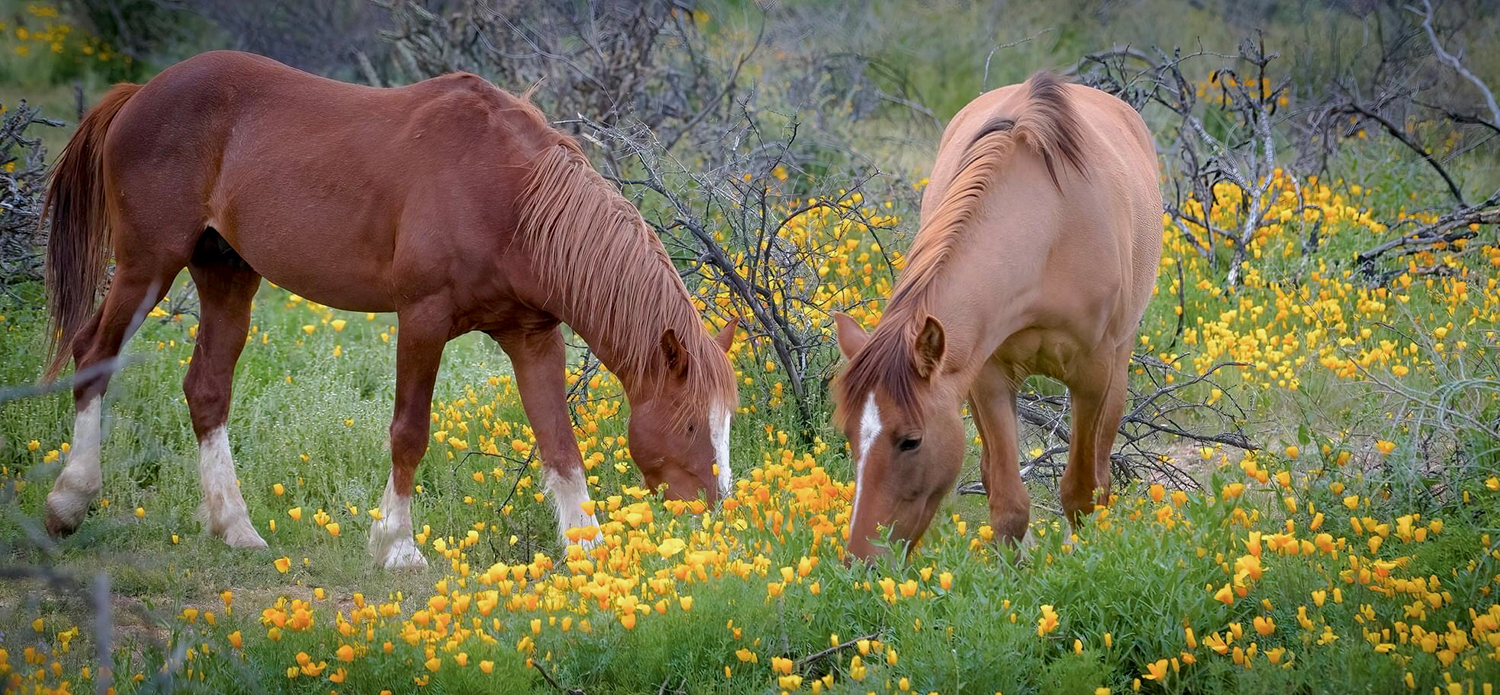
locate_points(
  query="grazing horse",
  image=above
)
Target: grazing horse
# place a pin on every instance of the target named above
(1037, 253)
(450, 202)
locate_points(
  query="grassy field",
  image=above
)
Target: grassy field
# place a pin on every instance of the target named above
(1347, 551)
(1353, 551)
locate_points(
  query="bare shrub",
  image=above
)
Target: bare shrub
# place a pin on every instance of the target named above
(23, 174)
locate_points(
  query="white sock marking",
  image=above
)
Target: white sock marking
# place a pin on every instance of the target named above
(568, 496)
(869, 430)
(223, 507)
(391, 543)
(718, 422)
(81, 479)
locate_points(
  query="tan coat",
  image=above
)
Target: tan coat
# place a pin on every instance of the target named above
(1038, 250)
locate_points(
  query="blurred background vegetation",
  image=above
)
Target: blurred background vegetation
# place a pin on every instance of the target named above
(929, 57)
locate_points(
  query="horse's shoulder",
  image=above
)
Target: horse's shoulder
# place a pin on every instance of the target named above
(470, 110)
(968, 120)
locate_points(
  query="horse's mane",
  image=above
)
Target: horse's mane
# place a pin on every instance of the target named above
(1045, 122)
(593, 250)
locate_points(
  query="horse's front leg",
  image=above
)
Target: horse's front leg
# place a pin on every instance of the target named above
(540, 363)
(993, 402)
(419, 350)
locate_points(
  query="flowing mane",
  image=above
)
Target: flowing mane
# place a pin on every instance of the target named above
(1047, 124)
(595, 252)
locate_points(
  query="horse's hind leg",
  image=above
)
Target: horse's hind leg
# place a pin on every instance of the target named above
(135, 289)
(225, 287)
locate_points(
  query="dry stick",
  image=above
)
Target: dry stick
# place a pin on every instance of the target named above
(1452, 61)
(984, 84)
(1444, 230)
(729, 84)
(1395, 131)
(804, 661)
(548, 677)
(1145, 412)
(103, 634)
(662, 689)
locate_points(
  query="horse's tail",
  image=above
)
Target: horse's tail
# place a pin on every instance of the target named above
(76, 206)
(1046, 122)
(1050, 125)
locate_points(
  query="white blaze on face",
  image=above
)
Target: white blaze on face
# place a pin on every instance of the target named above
(869, 431)
(391, 541)
(568, 496)
(223, 508)
(81, 479)
(718, 427)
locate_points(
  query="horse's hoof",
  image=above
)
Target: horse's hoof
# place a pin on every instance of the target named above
(64, 516)
(244, 536)
(58, 528)
(395, 553)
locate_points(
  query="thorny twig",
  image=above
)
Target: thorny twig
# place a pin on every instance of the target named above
(555, 685)
(815, 656)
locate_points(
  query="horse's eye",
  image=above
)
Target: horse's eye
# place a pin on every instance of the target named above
(910, 443)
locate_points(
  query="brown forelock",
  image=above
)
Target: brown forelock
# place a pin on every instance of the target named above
(77, 207)
(595, 253)
(1047, 123)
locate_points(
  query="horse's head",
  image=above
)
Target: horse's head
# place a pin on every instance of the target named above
(679, 428)
(903, 427)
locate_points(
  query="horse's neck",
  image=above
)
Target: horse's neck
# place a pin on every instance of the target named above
(982, 301)
(626, 346)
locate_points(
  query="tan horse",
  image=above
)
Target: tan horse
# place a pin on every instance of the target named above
(450, 202)
(1037, 253)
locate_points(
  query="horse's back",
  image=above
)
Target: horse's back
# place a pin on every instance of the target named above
(313, 181)
(244, 110)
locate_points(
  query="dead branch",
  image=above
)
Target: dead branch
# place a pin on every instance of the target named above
(815, 656)
(548, 677)
(1402, 137)
(23, 171)
(1171, 408)
(1457, 65)
(1449, 228)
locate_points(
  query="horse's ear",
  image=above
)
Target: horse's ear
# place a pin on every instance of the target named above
(852, 337)
(928, 350)
(675, 354)
(725, 338)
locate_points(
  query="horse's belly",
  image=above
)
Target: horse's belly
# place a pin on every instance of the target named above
(354, 294)
(1044, 351)
(320, 270)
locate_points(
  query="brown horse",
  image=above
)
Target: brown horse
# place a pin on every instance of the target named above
(450, 202)
(1037, 253)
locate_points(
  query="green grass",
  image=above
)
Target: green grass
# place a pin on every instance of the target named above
(1127, 575)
